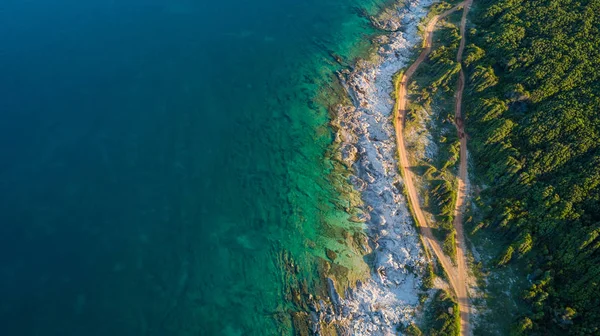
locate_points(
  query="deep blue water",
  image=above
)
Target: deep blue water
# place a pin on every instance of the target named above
(158, 157)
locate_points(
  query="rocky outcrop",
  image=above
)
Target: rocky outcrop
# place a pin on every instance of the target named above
(366, 140)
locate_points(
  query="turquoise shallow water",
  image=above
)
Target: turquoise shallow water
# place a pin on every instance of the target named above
(159, 158)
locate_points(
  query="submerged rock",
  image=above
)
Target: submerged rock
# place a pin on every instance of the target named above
(330, 254)
(360, 217)
(300, 321)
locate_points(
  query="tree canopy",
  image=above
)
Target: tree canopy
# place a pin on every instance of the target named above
(532, 110)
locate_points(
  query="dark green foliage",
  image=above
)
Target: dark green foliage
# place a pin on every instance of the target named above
(522, 327)
(450, 245)
(506, 256)
(413, 330)
(445, 314)
(533, 116)
(433, 88)
(443, 192)
(428, 277)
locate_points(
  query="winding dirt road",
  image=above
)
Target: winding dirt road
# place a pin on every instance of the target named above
(458, 276)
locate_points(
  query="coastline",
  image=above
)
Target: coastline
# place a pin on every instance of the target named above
(365, 138)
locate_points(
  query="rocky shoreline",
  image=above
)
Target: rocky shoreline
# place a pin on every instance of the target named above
(389, 300)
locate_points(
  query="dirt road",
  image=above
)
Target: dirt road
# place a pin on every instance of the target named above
(462, 178)
(458, 276)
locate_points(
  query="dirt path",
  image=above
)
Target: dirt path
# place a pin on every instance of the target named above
(458, 276)
(462, 178)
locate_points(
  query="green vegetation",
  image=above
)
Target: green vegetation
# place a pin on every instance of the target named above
(413, 330)
(428, 277)
(439, 7)
(449, 245)
(531, 103)
(499, 288)
(443, 316)
(432, 89)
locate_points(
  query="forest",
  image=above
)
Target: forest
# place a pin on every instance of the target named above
(532, 110)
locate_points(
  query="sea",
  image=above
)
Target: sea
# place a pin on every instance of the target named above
(165, 165)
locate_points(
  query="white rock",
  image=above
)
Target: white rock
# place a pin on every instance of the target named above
(390, 297)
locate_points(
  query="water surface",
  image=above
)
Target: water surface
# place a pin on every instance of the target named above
(158, 158)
